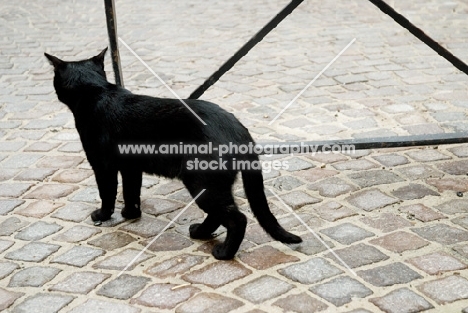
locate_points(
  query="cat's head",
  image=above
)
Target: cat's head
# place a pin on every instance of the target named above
(72, 77)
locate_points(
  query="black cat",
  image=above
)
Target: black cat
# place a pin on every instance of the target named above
(107, 115)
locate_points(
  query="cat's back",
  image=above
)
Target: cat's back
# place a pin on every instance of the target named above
(174, 116)
(164, 109)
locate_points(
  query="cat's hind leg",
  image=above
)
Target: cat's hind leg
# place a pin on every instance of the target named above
(219, 204)
(131, 183)
(206, 229)
(235, 223)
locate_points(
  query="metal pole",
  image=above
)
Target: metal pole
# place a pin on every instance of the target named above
(111, 19)
(418, 33)
(245, 49)
(369, 143)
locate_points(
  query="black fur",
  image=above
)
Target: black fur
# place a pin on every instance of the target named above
(107, 115)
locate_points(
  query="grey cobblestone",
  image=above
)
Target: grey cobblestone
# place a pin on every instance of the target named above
(386, 222)
(262, 289)
(35, 174)
(460, 151)
(209, 303)
(209, 276)
(97, 305)
(181, 195)
(455, 168)
(372, 178)
(35, 276)
(10, 225)
(402, 300)
(312, 271)
(333, 211)
(50, 192)
(301, 303)
(341, 290)
(14, 190)
(32, 252)
(436, 263)
(414, 191)
(6, 268)
(462, 221)
(446, 289)
(400, 241)
(297, 199)
(38, 231)
(123, 287)
(370, 200)
(145, 227)
(89, 194)
(389, 275)
(169, 242)
(311, 245)
(355, 165)
(421, 212)
(286, 183)
(7, 298)
(266, 257)
(5, 244)
(442, 233)
(78, 256)
(7, 206)
(391, 160)
(453, 206)
(7, 173)
(76, 234)
(427, 155)
(81, 282)
(346, 233)
(332, 187)
(41, 146)
(72, 176)
(297, 164)
(159, 206)
(43, 302)
(75, 212)
(451, 184)
(71, 147)
(175, 265)
(165, 296)
(120, 260)
(111, 241)
(20, 161)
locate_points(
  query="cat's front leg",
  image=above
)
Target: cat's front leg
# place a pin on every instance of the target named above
(107, 184)
(131, 180)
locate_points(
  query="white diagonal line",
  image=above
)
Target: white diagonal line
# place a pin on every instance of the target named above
(162, 81)
(313, 233)
(313, 80)
(162, 231)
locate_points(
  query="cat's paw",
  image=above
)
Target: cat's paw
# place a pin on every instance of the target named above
(131, 213)
(221, 252)
(196, 232)
(99, 215)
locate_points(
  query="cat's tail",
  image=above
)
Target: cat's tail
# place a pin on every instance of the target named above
(253, 186)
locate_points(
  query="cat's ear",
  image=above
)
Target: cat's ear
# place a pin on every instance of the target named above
(100, 57)
(56, 62)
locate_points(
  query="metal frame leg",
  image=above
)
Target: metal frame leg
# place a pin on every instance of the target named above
(111, 20)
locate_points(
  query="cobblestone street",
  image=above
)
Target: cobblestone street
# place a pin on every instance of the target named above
(392, 223)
